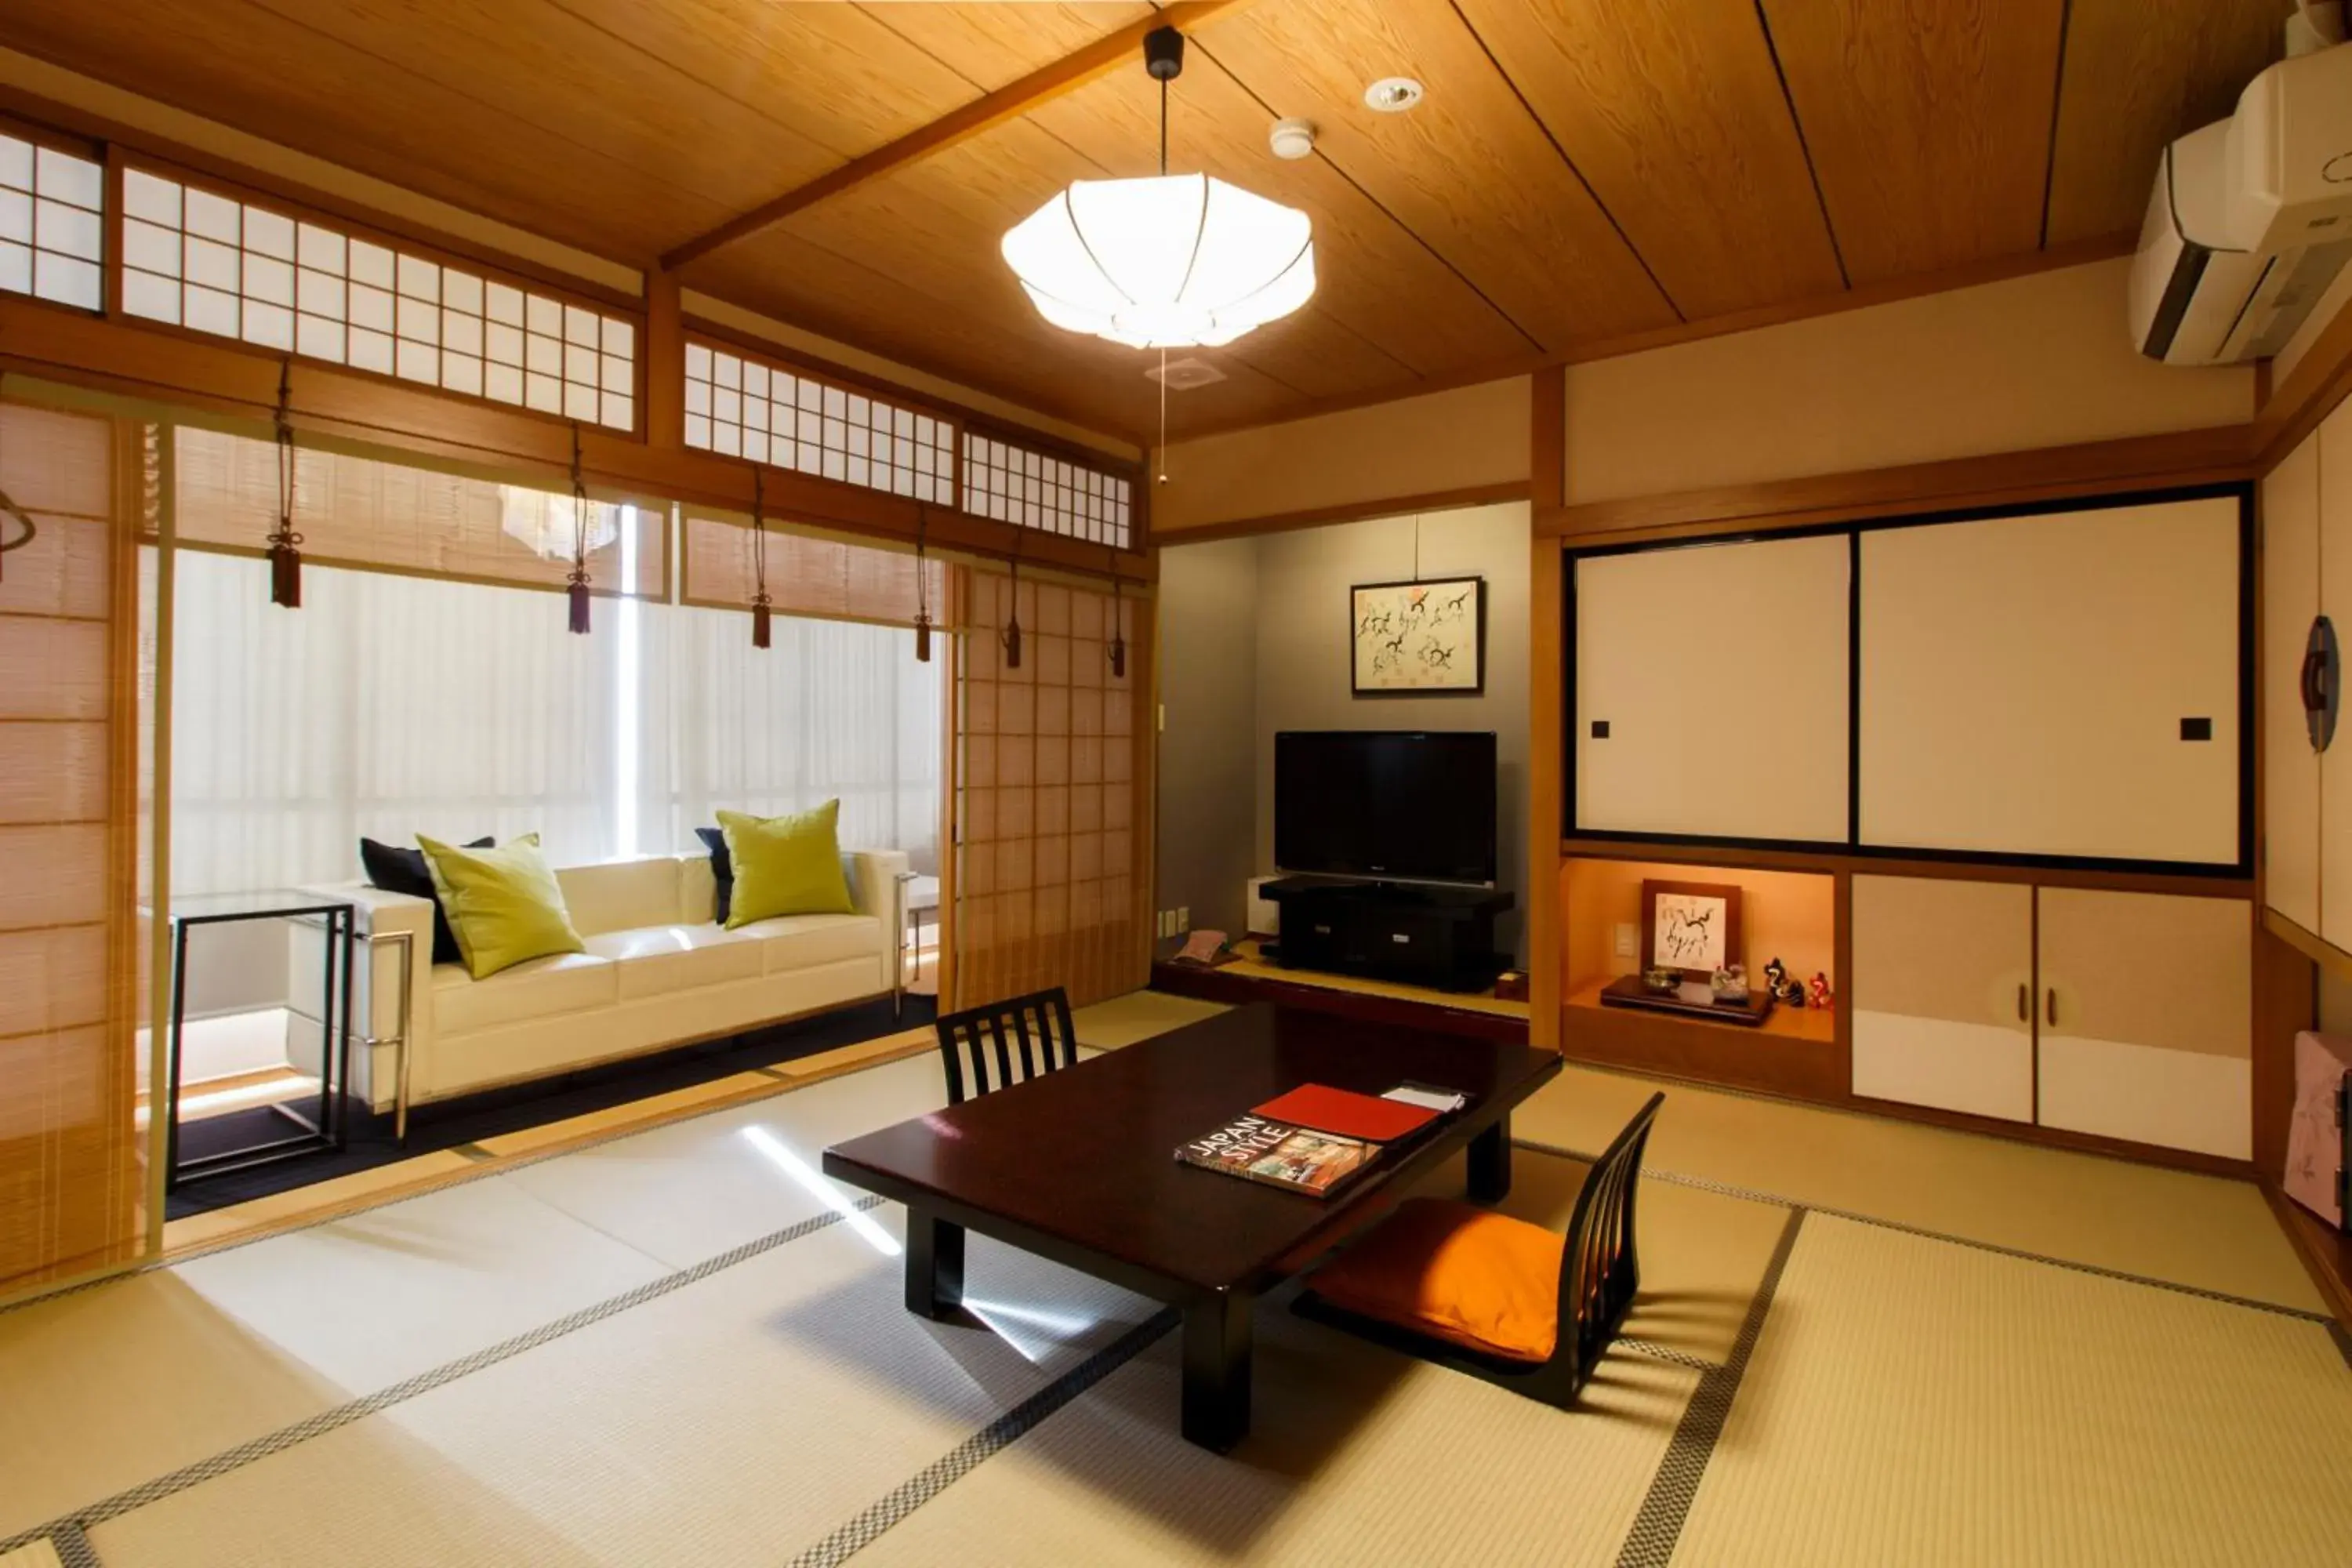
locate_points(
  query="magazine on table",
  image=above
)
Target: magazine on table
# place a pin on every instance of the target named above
(1281, 1154)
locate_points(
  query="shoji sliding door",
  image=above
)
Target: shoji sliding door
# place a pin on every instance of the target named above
(1052, 806)
(72, 1153)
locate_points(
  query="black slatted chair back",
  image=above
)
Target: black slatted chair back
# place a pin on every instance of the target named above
(989, 1047)
(1600, 1270)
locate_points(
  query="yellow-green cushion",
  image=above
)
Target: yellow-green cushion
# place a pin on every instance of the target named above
(504, 904)
(785, 864)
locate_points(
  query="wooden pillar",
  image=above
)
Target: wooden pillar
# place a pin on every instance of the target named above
(664, 366)
(1547, 626)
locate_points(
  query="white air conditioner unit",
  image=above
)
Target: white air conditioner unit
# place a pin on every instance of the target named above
(2250, 219)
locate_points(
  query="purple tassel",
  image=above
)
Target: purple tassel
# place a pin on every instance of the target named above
(1118, 658)
(1012, 644)
(922, 637)
(580, 608)
(759, 624)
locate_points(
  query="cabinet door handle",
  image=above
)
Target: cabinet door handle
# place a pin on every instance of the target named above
(2024, 1006)
(2050, 1007)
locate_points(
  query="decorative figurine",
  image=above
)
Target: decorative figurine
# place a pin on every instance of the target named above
(1819, 990)
(1731, 984)
(1776, 976)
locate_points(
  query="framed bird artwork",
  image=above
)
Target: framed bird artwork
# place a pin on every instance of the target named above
(1423, 638)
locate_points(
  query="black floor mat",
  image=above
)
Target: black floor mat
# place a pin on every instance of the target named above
(452, 1124)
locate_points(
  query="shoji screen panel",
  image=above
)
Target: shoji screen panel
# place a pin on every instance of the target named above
(2026, 683)
(2291, 768)
(70, 1153)
(1051, 804)
(1718, 673)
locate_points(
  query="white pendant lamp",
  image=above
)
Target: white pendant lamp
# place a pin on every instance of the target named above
(549, 525)
(1171, 261)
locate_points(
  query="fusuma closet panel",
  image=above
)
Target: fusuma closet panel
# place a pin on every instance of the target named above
(2291, 769)
(2063, 684)
(1710, 691)
(2333, 445)
(1941, 988)
(2144, 1018)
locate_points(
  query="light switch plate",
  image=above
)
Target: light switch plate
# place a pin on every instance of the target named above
(1625, 934)
(1184, 919)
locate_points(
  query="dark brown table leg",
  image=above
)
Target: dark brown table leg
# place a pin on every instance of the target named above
(934, 1264)
(1217, 1370)
(1490, 1164)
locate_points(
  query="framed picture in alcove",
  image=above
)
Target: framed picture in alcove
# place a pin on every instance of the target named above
(1425, 638)
(1690, 926)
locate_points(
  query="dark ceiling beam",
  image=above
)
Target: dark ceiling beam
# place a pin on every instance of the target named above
(1011, 102)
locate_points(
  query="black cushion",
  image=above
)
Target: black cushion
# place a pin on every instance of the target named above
(397, 870)
(722, 869)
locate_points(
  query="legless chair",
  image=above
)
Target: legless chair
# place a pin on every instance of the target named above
(1022, 1037)
(1464, 1287)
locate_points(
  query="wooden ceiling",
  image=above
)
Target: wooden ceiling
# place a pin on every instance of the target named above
(1581, 172)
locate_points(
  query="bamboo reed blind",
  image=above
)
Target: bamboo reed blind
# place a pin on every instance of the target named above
(1050, 802)
(71, 1157)
(807, 575)
(366, 512)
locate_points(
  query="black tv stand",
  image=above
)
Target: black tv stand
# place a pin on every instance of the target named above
(1414, 933)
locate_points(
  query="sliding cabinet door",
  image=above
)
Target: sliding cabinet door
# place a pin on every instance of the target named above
(1941, 995)
(2333, 445)
(2064, 684)
(1710, 691)
(2289, 600)
(2145, 1010)
(72, 1177)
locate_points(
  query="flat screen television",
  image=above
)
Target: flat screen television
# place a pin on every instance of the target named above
(1414, 804)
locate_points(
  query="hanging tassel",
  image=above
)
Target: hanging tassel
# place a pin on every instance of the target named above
(1010, 636)
(760, 616)
(922, 637)
(578, 577)
(285, 553)
(1117, 643)
(922, 589)
(760, 612)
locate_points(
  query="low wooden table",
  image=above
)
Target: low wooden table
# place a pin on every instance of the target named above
(1080, 1167)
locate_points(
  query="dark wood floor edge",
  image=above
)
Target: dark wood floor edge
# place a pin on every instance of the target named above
(1370, 1006)
(2322, 1262)
(1658, 1526)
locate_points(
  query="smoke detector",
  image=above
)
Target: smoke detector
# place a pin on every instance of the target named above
(1185, 374)
(1292, 138)
(1393, 94)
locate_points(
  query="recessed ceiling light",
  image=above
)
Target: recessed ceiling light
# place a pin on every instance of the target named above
(1393, 94)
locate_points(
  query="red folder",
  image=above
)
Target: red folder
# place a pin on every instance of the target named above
(1346, 1112)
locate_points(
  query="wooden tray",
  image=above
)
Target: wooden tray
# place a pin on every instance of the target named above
(1694, 1000)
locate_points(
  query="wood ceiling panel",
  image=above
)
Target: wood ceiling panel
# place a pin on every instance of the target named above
(1098, 384)
(994, 45)
(252, 69)
(837, 75)
(1371, 274)
(1524, 231)
(1929, 122)
(2139, 74)
(1673, 111)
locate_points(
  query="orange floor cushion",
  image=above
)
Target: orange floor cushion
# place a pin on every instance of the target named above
(1457, 1273)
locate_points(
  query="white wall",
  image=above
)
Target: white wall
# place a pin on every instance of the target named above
(1208, 608)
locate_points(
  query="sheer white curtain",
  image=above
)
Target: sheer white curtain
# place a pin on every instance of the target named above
(834, 707)
(387, 706)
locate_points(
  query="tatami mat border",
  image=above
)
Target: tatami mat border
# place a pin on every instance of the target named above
(326, 1421)
(1751, 1194)
(1650, 1543)
(943, 1472)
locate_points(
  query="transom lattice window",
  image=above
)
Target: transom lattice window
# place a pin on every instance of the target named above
(205, 261)
(1013, 484)
(740, 407)
(51, 224)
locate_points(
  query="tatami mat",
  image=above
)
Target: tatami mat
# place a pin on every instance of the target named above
(1138, 1015)
(729, 1422)
(1918, 1403)
(2209, 1232)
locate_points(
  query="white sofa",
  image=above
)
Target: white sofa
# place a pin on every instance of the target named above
(658, 972)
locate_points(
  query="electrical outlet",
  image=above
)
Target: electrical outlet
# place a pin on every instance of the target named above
(1184, 919)
(1624, 938)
